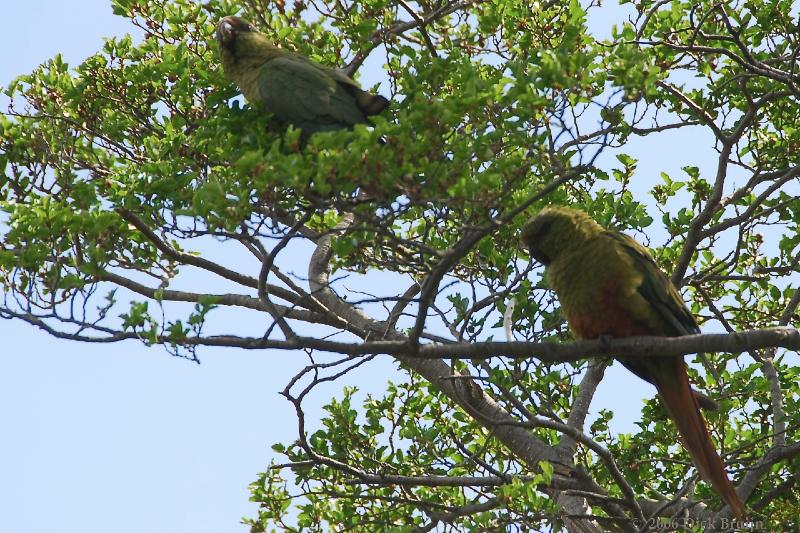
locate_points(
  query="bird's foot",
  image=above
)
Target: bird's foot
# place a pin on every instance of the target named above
(605, 341)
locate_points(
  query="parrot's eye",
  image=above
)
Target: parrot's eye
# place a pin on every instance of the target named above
(532, 239)
(539, 232)
(544, 229)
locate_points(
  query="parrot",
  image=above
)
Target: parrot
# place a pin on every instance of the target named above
(609, 285)
(295, 89)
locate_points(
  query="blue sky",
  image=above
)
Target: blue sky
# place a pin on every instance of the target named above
(125, 438)
(122, 437)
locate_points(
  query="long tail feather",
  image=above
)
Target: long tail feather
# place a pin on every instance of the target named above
(672, 383)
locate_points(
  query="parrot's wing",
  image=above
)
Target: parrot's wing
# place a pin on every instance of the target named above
(299, 91)
(656, 288)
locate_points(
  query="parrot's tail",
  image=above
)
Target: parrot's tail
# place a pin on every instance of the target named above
(370, 104)
(673, 386)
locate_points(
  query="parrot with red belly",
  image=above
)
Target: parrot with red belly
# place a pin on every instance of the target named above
(609, 284)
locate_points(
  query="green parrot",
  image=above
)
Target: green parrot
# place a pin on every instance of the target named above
(295, 89)
(609, 284)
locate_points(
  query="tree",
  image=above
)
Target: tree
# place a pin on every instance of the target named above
(126, 174)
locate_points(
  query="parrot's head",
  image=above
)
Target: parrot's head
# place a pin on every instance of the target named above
(555, 230)
(241, 47)
(229, 29)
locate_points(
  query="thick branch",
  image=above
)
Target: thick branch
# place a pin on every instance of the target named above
(580, 408)
(737, 342)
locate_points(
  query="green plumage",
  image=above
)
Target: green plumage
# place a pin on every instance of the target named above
(609, 284)
(295, 89)
(584, 259)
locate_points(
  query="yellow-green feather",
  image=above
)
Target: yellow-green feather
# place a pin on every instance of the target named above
(243, 66)
(608, 283)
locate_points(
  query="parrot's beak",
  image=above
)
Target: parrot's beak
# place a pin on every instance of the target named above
(226, 33)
